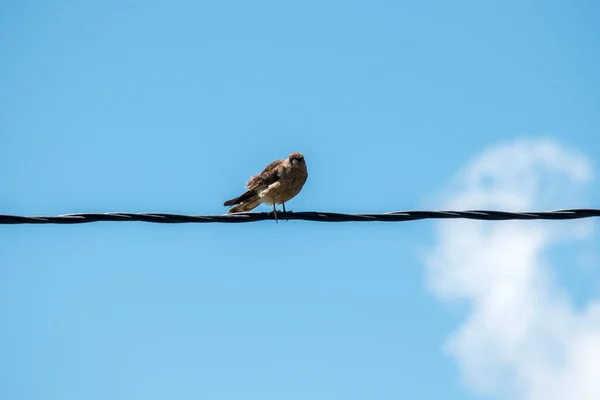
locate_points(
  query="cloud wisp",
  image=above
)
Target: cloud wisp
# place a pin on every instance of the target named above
(522, 338)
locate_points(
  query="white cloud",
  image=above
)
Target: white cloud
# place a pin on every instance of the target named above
(522, 337)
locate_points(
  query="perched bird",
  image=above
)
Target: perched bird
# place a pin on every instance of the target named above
(279, 182)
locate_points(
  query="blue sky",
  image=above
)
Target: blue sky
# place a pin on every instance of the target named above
(170, 106)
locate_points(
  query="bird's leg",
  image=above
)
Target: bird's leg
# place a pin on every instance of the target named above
(275, 212)
(283, 204)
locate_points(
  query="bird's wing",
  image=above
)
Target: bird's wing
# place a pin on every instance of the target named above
(259, 182)
(270, 174)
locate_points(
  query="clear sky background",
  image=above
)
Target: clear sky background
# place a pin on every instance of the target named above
(171, 106)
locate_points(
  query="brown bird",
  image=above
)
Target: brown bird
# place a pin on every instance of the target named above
(279, 182)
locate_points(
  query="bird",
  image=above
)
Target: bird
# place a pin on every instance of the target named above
(279, 182)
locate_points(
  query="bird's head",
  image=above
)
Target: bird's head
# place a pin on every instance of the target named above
(296, 159)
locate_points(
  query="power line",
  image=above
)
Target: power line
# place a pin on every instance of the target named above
(315, 216)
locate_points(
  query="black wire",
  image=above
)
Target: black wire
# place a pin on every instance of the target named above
(314, 216)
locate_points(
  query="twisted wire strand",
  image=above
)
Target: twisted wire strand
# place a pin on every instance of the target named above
(314, 216)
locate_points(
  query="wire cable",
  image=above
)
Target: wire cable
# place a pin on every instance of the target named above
(314, 216)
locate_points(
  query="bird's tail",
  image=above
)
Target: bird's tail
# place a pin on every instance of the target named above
(245, 205)
(246, 202)
(247, 195)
